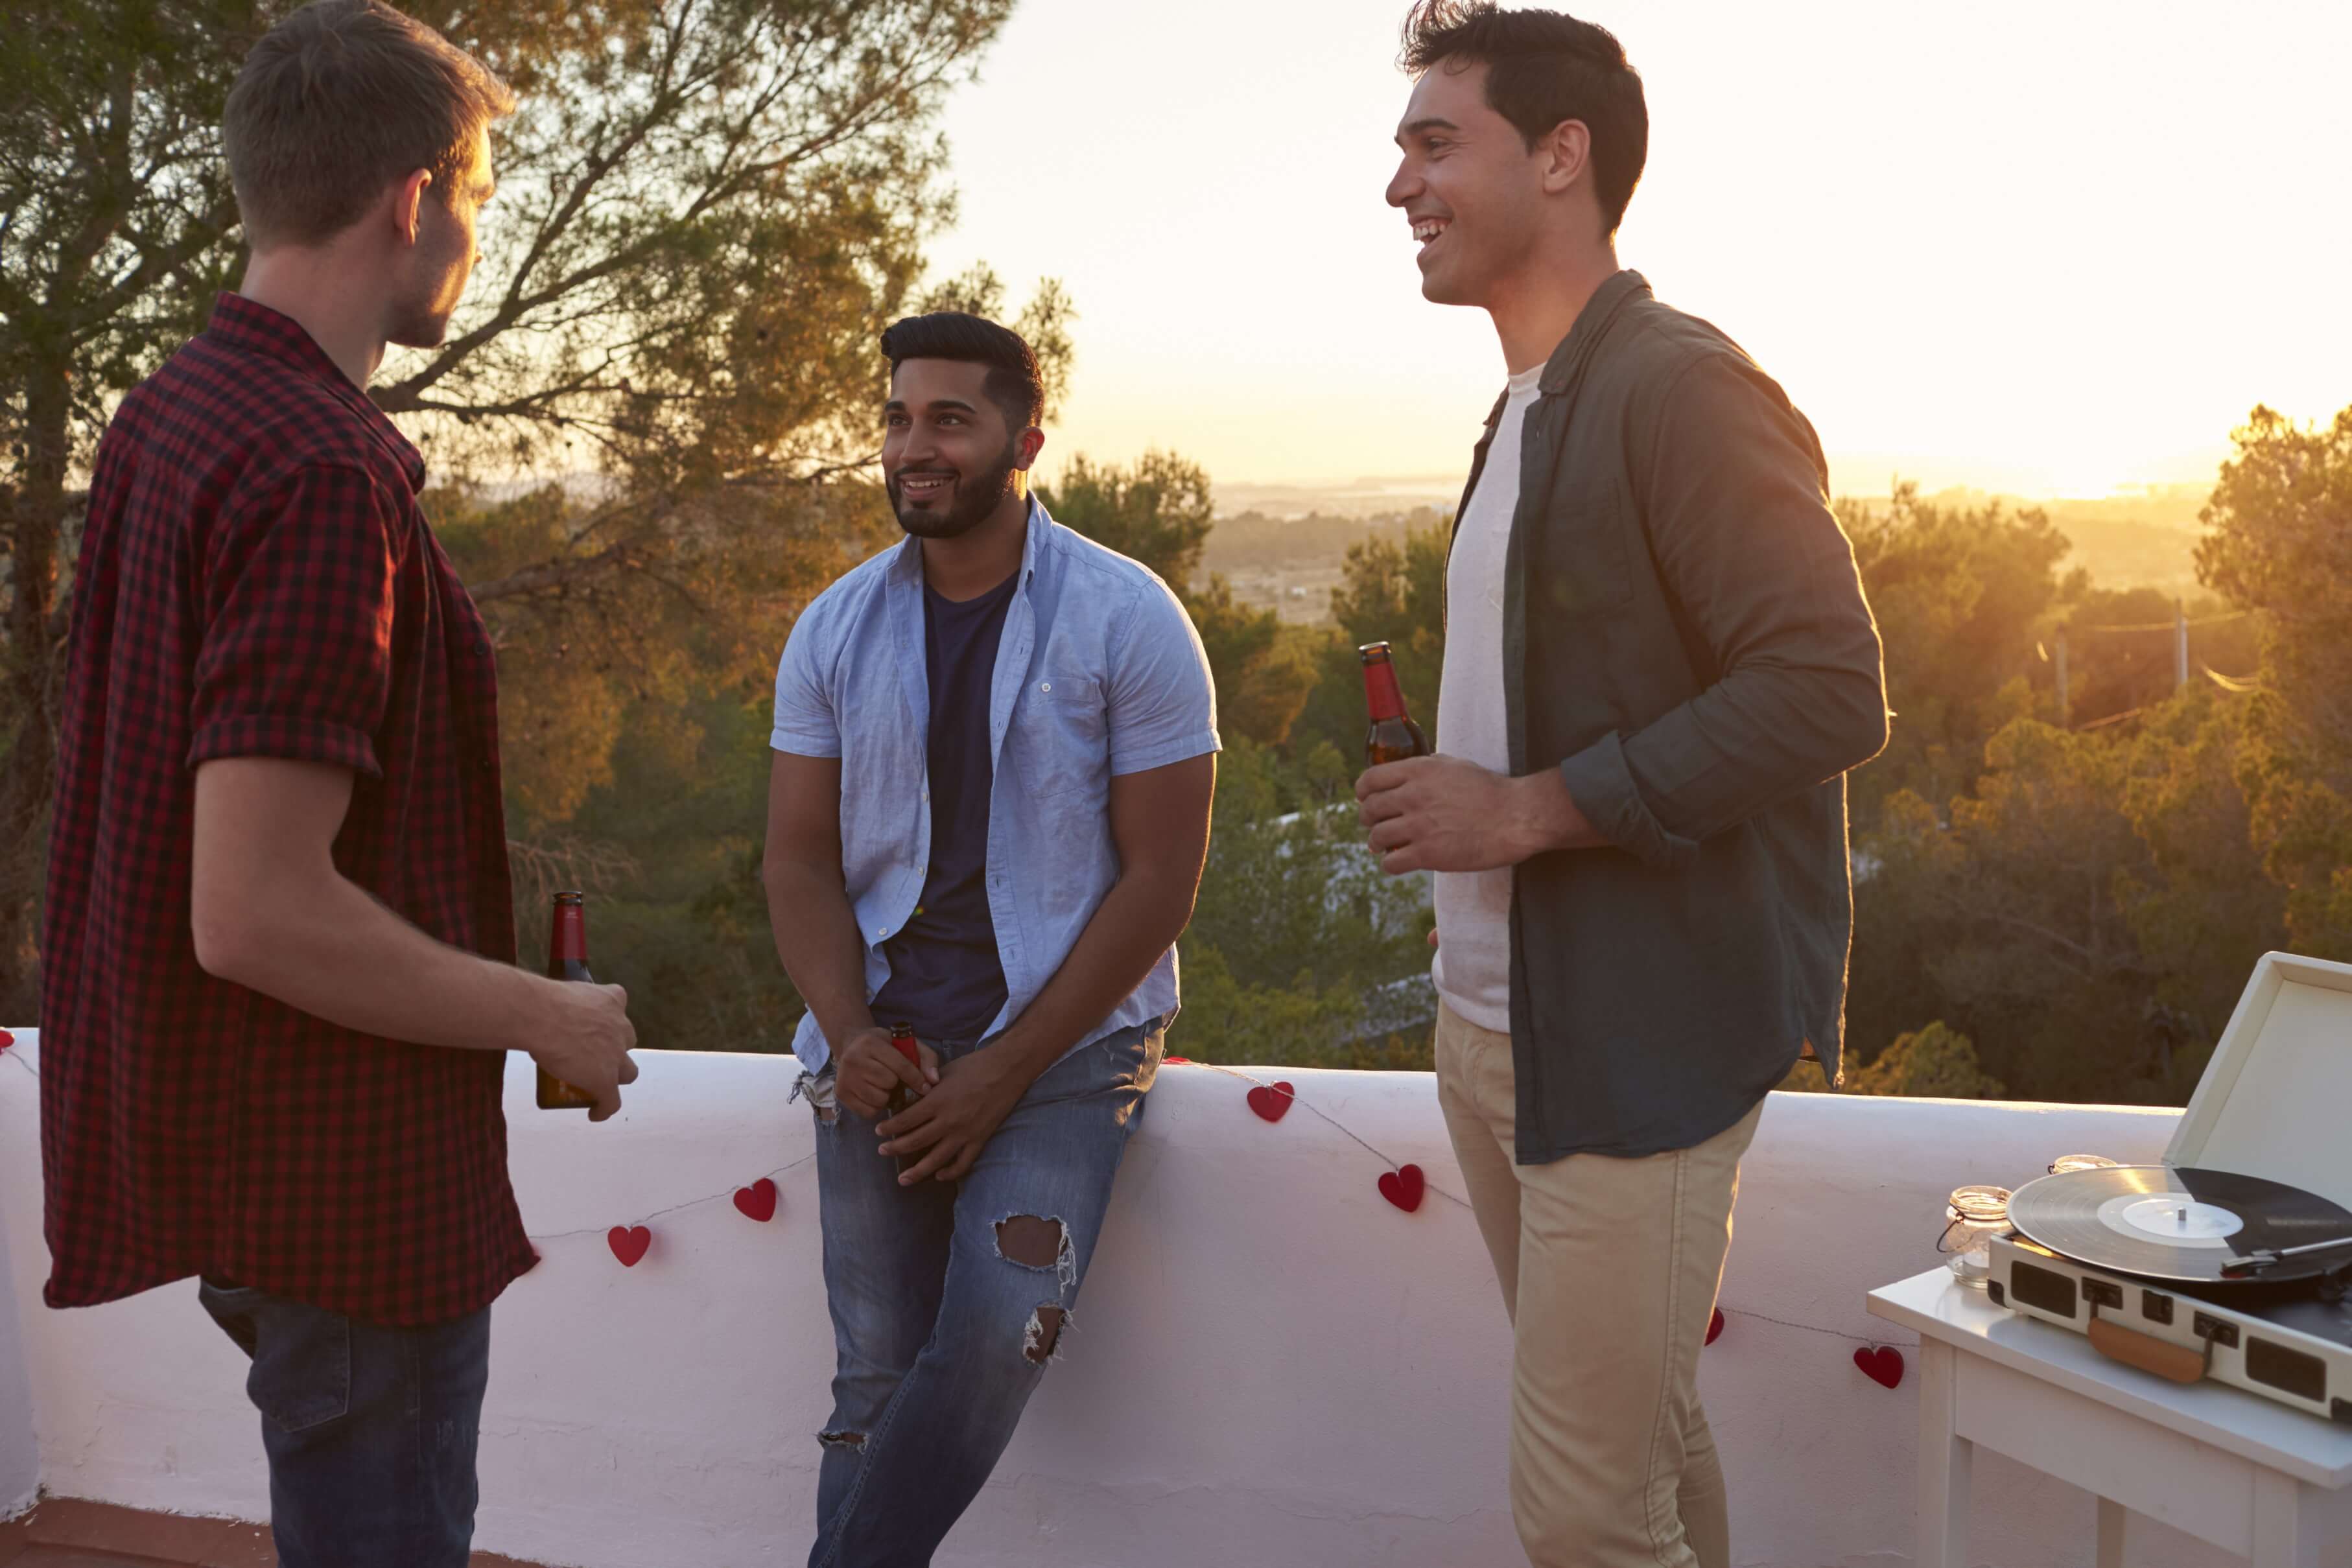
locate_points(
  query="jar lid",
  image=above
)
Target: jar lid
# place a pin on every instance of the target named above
(1981, 1205)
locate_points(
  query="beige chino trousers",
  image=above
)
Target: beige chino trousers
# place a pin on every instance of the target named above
(1609, 1269)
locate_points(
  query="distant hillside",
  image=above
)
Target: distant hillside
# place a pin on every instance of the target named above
(2144, 537)
(1256, 542)
(1353, 499)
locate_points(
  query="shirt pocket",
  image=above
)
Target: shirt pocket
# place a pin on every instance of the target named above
(1583, 567)
(1060, 738)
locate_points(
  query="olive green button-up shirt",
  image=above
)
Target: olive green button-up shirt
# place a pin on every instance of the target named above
(1684, 638)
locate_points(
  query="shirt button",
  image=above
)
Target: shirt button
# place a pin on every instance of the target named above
(1045, 685)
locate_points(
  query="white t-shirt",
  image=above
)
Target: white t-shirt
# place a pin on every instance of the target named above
(1473, 968)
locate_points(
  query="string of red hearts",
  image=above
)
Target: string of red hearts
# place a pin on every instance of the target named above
(630, 1243)
(1401, 1185)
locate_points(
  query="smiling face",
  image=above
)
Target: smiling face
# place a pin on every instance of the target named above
(948, 457)
(1477, 197)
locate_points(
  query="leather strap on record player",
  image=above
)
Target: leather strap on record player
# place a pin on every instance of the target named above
(2175, 1363)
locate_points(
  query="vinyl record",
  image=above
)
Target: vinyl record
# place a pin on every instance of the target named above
(2176, 1222)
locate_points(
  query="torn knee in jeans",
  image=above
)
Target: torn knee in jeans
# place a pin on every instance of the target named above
(1039, 1244)
(1044, 1338)
(842, 1440)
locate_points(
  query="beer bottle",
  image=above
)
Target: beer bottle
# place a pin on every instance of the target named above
(902, 1041)
(1394, 736)
(567, 959)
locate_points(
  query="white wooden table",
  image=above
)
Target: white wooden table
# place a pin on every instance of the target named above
(2270, 1484)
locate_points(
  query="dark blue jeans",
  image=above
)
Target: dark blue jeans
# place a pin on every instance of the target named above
(370, 1430)
(949, 1301)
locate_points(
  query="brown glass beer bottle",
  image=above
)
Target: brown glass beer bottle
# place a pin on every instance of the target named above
(1394, 736)
(567, 959)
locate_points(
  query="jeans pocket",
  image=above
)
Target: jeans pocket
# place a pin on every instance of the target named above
(301, 1374)
(820, 1089)
(1126, 1058)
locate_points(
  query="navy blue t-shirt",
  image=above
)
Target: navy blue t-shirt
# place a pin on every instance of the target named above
(946, 979)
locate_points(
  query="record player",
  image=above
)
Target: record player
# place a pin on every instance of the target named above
(2232, 1259)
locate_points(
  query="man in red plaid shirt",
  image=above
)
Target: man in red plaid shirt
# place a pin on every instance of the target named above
(280, 982)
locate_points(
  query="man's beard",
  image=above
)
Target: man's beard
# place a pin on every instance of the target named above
(976, 495)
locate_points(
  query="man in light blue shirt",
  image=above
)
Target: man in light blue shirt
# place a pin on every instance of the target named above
(994, 753)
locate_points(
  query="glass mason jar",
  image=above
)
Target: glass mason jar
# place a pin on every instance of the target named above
(1973, 1218)
(2065, 1163)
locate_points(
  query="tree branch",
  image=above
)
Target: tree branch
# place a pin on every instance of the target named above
(553, 574)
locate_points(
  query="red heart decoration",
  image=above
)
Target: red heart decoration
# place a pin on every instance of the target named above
(1402, 1186)
(757, 1201)
(7, 1039)
(1882, 1363)
(629, 1243)
(1272, 1102)
(1714, 1326)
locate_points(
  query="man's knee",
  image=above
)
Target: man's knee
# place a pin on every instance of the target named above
(1042, 1246)
(1043, 1334)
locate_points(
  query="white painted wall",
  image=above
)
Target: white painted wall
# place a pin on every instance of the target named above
(1270, 1365)
(20, 1449)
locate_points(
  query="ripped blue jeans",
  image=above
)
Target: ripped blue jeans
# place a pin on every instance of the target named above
(948, 1301)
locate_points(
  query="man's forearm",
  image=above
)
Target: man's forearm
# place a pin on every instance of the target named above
(817, 940)
(1544, 816)
(1138, 919)
(331, 950)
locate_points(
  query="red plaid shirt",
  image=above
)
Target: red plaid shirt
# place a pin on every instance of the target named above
(257, 581)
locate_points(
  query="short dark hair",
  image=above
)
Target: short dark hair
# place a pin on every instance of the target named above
(1013, 383)
(1543, 68)
(337, 101)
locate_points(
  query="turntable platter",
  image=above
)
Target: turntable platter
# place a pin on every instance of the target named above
(2176, 1222)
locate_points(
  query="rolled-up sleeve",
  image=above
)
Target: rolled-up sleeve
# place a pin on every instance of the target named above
(805, 723)
(1162, 702)
(1745, 540)
(300, 587)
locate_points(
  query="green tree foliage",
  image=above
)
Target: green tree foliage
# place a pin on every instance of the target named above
(2123, 646)
(115, 217)
(1934, 1062)
(1160, 511)
(1264, 670)
(2088, 914)
(1963, 597)
(1297, 935)
(1391, 591)
(708, 209)
(683, 921)
(2280, 541)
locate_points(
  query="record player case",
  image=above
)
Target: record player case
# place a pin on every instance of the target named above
(2274, 1102)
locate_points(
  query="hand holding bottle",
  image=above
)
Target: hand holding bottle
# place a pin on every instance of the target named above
(582, 1038)
(870, 1071)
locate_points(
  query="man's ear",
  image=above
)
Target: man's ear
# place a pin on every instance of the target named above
(1033, 441)
(1566, 153)
(408, 202)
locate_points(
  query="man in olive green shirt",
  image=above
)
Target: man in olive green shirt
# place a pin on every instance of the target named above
(1659, 667)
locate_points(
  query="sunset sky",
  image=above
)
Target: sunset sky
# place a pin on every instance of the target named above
(2050, 248)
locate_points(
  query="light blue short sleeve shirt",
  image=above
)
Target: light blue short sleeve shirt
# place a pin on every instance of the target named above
(1099, 673)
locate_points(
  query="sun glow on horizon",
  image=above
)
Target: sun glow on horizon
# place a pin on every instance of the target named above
(2049, 251)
